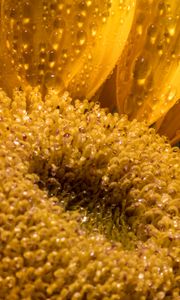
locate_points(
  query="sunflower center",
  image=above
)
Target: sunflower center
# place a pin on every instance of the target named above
(100, 211)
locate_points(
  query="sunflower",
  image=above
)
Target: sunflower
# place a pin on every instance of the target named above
(89, 192)
(75, 46)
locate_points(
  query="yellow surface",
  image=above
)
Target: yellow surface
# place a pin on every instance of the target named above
(148, 78)
(89, 203)
(71, 45)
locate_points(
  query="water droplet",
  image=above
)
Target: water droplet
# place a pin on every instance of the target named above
(171, 26)
(160, 49)
(83, 9)
(68, 9)
(52, 55)
(141, 70)
(140, 22)
(80, 21)
(161, 8)
(93, 30)
(81, 37)
(64, 53)
(152, 33)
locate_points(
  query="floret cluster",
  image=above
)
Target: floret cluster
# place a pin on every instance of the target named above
(89, 203)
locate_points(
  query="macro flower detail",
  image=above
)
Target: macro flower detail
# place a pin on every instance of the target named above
(148, 72)
(145, 83)
(89, 203)
(89, 196)
(65, 45)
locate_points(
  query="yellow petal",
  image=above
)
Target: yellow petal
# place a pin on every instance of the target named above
(67, 45)
(106, 50)
(148, 76)
(169, 125)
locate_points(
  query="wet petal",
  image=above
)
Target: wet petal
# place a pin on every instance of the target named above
(148, 79)
(63, 44)
(106, 50)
